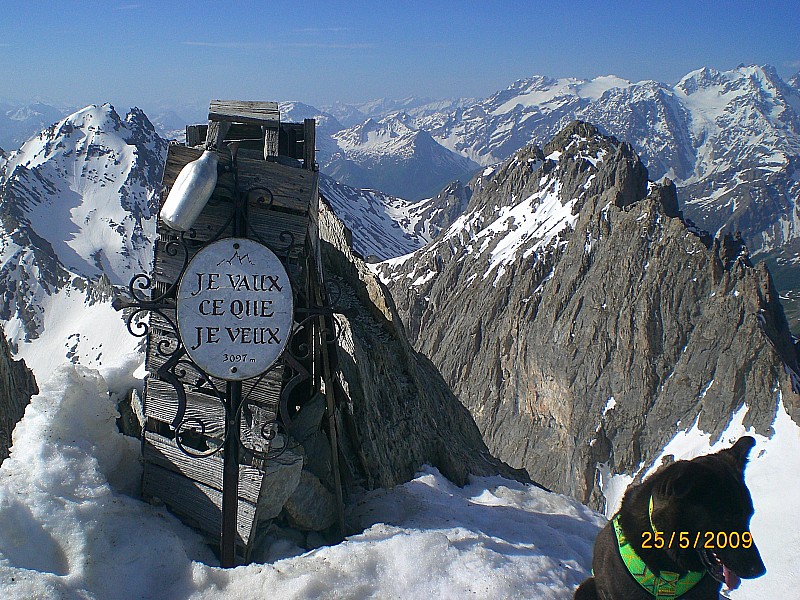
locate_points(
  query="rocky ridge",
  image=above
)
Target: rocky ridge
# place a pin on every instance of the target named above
(397, 411)
(583, 321)
(17, 386)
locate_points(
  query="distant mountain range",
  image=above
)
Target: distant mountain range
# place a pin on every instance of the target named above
(730, 140)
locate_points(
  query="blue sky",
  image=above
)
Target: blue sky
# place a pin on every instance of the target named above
(176, 53)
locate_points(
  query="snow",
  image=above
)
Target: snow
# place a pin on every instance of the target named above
(73, 330)
(540, 93)
(382, 225)
(71, 528)
(80, 177)
(69, 517)
(540, 217)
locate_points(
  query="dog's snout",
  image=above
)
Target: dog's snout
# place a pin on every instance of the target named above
(755, 569)
(749, 565)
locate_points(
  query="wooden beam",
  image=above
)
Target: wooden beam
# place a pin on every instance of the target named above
(207, 470)
(198, 504)
(292, 189)
(240, 111)
(309, 141)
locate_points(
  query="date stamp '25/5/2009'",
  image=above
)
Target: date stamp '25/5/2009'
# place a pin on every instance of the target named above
(709, 540)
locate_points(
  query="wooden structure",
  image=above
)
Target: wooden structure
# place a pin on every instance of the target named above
(277, 177)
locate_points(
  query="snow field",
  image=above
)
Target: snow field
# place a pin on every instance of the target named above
(69, 527)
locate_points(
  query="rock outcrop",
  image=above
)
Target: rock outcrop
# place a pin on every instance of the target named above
(398, 413)
(583, 321)
(17, 385)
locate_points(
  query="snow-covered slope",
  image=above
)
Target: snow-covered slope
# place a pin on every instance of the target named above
(385, 226)
(70, 529)
(745, 129)
(77, 210)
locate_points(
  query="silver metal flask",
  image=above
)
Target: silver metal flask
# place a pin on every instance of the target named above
(190, 192)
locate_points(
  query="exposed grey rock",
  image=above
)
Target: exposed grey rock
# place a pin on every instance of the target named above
(398, 413)
(281, 477)
(311, 507)
(17, 385)
(625, 303)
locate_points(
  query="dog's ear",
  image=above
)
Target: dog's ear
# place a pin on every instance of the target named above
(741, 449)
(679, 481)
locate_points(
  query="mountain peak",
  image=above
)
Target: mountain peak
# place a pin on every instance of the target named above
(569, 286)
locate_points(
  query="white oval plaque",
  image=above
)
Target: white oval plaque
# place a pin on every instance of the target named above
(235, 308)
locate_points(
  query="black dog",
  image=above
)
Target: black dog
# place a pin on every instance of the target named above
(684, 531)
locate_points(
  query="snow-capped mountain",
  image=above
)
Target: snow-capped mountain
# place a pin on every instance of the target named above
(77, 209)
(385, 226)
(730, 140)
(353, 114)
(530, 110)
(745, 130)
(394, 156)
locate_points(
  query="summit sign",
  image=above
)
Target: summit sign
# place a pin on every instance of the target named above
(235, 309)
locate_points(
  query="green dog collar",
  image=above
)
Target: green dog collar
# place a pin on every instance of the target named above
(666, 585)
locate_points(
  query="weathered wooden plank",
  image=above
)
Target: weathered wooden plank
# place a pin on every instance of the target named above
(200, 506)
(196, 134)
(264, 390)
(269, 226)
(244, 111)
(291, 188)
(207, 470)
(161, 403)
(309, 143)
(215, 135)
(177, 158)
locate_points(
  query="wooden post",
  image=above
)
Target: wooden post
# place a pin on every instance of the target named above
(195, 135)
(309, 141)
(217, 130)
(230, 478)
(271, 137)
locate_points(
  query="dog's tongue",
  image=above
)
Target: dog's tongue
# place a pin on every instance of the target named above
(732, 580)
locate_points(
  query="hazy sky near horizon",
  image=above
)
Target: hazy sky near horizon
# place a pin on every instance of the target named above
(174, 53)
